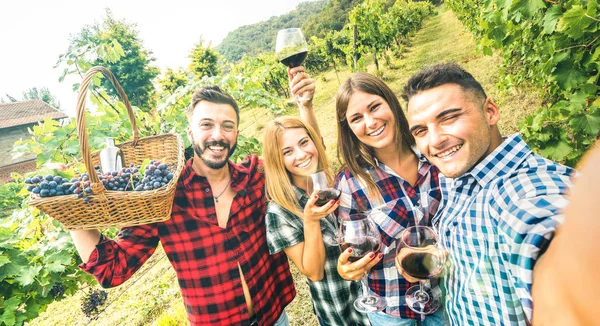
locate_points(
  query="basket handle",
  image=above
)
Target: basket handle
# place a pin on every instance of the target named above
(95, 183)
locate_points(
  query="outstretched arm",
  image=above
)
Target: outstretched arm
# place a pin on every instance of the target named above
(303, 86)
(566, 281)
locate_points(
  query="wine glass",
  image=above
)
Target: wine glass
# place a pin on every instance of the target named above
(291, 49)
(325, 192)
(362, 235)
(420, 257)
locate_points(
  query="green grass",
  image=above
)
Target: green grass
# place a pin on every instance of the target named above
(154, 299)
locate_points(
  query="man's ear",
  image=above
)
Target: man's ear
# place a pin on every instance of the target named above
(189, 134)
(491, 112)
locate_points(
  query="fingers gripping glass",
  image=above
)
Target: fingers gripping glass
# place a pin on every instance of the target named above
(421, 258)
(361, 234)
(324, 191)
(291, 49)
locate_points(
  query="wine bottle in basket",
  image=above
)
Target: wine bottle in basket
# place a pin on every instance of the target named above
(111, 157)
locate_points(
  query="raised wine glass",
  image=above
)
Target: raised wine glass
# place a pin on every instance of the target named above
(291, 49)
(420, 257)
(362, 235)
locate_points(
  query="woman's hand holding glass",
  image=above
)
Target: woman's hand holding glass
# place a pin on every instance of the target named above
(360, 242)
(314, 212)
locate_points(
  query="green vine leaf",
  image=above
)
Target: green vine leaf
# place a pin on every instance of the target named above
(574, 22)
(527, 8)
(551, 19)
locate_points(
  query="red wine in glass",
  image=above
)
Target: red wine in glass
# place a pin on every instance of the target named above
(362, 247)
(422, 265)
(327, 195)
(294, 60)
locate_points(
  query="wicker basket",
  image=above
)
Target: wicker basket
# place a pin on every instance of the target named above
(117, 208)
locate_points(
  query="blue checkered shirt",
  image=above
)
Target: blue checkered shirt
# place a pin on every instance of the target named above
(401, 207)
(495, 221)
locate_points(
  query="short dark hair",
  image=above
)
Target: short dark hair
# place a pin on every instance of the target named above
(441, 74)
(212, 94)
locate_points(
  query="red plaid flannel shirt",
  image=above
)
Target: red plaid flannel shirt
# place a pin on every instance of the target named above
(206, 256)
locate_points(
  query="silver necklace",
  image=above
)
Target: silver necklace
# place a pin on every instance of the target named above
(222, 192)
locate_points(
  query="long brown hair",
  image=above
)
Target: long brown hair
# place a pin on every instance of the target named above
(278, 179)
(351, 151)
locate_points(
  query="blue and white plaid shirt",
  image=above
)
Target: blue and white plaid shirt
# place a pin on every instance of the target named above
(495, 221)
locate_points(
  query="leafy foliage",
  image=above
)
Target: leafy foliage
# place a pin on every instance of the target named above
(333, 17)
(555, 46)
(116, 46)
(258, 38)
(172, 79)
(204, 61)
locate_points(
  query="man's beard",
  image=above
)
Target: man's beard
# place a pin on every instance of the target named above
(213, 164)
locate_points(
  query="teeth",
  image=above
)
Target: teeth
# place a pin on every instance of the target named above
(216, 148)
(304, 164)
(377, 132)
(448, 152)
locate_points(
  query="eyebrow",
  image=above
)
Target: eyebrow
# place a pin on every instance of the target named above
(212, 120)
(438, 117)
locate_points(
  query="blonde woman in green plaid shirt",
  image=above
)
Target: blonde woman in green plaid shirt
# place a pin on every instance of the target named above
(304, 231)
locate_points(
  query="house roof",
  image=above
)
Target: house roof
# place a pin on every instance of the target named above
(25, 112)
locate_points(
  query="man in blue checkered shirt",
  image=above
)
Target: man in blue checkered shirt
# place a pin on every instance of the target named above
(501, 202)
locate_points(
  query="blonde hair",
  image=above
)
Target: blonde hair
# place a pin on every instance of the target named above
(277, 177)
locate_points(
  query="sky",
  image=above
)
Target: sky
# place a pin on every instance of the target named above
(33, 33)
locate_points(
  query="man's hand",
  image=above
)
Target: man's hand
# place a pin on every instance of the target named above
(301, 85)
(354, 271)
(313, 212)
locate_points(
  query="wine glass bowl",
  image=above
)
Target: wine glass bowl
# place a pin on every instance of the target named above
(291, 47)
(421, 258)
(361, 234)
(324, 191)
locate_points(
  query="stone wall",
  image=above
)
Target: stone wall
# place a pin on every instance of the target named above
(8, 137)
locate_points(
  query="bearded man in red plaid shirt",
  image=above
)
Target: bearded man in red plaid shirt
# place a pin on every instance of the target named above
(216, 237)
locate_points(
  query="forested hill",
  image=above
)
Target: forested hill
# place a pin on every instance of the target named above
(260, 37)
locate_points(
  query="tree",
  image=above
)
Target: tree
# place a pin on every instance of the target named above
(172, 79)
(42, 94)
(373, 30)
(204, 61)
(116, 46)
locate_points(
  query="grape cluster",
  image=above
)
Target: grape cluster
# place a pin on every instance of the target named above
(49, 186)
(156, 175)
(57, 290)
(90, 303)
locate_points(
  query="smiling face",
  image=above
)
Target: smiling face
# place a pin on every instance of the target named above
(213, 133)
(454, 129)
(300, 155)
(371, 120)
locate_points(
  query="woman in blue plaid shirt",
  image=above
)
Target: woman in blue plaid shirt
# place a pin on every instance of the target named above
(383, 173)
(295, 224)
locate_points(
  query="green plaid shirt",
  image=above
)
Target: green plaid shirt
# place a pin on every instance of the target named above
(332, 296)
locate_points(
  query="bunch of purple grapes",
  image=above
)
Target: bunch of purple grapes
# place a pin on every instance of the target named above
(49, 186)
(90, 303)
(156, 175)
(57, 290)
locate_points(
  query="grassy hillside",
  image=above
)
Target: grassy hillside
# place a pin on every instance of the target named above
(152, 296)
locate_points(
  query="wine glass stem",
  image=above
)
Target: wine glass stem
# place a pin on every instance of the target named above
(421, 295)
